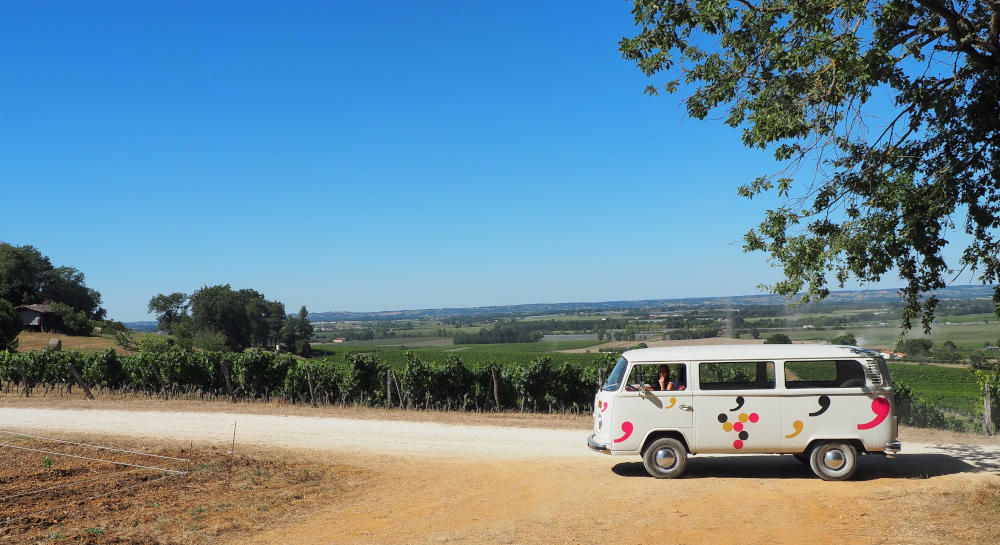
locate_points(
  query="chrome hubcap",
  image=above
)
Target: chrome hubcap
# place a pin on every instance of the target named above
(834, 459)
(666, 458)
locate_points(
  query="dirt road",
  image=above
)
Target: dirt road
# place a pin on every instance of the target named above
(443, 483)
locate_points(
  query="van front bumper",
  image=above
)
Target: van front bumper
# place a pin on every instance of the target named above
(597, 446)
(892, 447)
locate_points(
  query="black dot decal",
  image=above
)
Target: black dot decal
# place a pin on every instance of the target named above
(723, 418)
(744, 436)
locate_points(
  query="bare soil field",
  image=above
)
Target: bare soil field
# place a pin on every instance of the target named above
(89, 495)
(344, 476)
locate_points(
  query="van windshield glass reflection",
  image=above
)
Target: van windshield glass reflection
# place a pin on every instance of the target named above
(615, 378)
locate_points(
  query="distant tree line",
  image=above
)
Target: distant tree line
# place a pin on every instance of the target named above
(502, 332)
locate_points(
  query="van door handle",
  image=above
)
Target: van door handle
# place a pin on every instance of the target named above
(687, 408)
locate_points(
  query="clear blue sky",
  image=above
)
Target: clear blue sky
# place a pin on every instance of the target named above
(363, 156)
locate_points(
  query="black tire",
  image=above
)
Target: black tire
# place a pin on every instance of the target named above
(665, 458)
(834, 460)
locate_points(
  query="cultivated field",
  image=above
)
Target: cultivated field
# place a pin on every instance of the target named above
(382, 476)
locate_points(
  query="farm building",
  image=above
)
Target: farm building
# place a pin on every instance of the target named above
(36, 317)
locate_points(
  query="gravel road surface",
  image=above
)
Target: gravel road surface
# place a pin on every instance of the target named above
(374, 436)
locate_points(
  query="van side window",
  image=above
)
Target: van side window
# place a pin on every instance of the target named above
(648, 374)
(824, 374)
(736, 375)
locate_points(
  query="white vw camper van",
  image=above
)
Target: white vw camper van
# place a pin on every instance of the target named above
(825, 404)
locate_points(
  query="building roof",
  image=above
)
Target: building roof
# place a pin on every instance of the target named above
(748, 352)
(40, 307)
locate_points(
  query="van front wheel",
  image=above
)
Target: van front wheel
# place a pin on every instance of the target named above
(665, 458)
(834, 460)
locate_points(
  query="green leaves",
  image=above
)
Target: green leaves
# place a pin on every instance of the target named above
(797, 77)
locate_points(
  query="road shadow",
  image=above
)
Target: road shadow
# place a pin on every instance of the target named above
(903, 466)
(986, 458)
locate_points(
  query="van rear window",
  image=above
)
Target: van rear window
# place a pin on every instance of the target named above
(824, 374)
(736, 375)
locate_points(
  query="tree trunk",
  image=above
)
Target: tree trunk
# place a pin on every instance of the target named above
(312, 389)
(496, 389)
(79, 380)
(225, 374)
(388, 388)
(24, 378)
(987, 411)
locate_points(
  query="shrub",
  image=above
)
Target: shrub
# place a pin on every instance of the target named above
(777, 338)
(210, 340)
(846, 339)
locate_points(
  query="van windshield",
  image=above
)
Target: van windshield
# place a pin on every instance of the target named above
(617, 375)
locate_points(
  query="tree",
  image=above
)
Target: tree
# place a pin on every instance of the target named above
(245, 317)
(296, 332)
(27, 277)
(70, 321)
(777, 338)
(846, 339)
(915, 347)
(948, 351)
(10, 324)
(890, 184)
(169, 309)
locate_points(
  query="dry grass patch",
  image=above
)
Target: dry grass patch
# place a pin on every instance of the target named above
(32, 340)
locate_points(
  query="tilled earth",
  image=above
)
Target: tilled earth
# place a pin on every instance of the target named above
(55, 492)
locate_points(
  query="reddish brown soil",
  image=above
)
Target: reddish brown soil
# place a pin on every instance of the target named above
(48, 498)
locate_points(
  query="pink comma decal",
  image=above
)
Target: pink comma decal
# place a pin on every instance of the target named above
(604, 406)
(880, 406)
(627, 428)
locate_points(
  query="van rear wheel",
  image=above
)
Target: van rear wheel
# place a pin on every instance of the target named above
(665, 458)
(834, 460)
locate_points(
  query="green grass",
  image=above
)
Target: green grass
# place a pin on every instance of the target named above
(967, 318)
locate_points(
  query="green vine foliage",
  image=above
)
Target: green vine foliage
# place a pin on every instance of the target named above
(867, 187)
(359, 378)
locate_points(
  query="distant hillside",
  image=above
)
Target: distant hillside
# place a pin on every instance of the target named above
(141, 326)
(835, 298)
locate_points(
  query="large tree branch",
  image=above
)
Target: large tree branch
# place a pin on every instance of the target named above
(993, 38)
(962, 32)
(758, 9)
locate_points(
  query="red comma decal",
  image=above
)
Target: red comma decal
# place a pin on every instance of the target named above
(627, 428)
(604, 407)
(880, 406)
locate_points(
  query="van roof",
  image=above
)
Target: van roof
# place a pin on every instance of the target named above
(753, 352)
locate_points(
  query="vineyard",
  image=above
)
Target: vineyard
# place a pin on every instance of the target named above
(547, 383)
(481, 380)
